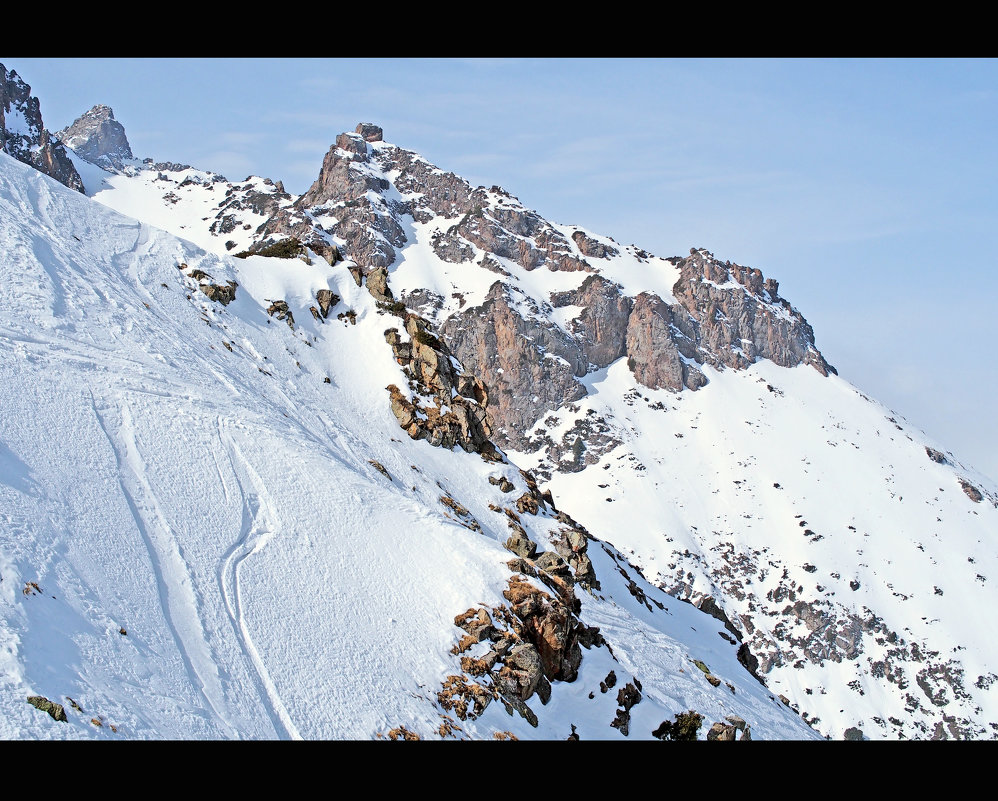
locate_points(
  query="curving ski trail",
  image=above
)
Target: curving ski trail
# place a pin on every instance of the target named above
(176, 594)
(256, 530)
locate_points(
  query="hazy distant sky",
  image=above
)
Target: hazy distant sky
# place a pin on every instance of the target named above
(866, 188)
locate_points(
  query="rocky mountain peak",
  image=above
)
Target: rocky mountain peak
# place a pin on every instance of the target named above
(370, 131)
(532, 350)
(23, 134)
(99, 138)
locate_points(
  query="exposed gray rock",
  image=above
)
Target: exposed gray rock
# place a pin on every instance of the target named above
(370, 132)
(280, 308)
(454, 419)
(709, 605)
(935, 455)
(972, 492)
(551, 562)
(627, 697)
(504, 484)
(739, 317)
(377, 285)
(737, 721)
(223, 294)
(601, 327)
(520, 544)
(338, 204)
(99, 138)
(659, 353)
(593, 248)
(477, 623)
(507, 352)
(523, 672)
(722, 732)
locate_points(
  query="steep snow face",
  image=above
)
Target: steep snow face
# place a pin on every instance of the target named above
(213, 527)
(841, 542)
(200, 206)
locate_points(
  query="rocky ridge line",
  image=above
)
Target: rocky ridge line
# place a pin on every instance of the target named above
(724, 314)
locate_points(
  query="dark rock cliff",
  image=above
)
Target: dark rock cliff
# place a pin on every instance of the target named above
(23, 135)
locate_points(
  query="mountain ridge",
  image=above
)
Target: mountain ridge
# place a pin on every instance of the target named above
(600, 377)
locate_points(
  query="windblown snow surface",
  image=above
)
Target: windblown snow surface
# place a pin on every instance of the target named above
(194, 542)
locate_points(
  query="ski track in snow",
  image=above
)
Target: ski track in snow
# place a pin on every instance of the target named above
(258, 524)
(177, 597)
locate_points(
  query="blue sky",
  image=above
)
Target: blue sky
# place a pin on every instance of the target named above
(866, 188)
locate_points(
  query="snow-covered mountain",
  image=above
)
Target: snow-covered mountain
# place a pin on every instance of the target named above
(430, 464)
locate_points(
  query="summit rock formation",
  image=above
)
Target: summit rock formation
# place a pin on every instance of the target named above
(99, 138)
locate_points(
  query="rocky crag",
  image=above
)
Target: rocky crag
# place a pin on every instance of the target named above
(372, 200)
(99, 138)
(23, 134)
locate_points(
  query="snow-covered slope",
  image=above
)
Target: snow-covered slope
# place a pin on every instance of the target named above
(821, 524)
(202, 537)
(194, 204)
(679, 409)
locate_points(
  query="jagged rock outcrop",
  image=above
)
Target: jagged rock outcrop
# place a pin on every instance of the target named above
(728, 732)
(250, 201)
(740, 317)
(536, 640)
(377, 285)
(601, 327)
(727, 316)
(99, 138)
(593, 248)
(344, 209)
(659, 353)
(528, 366)
(57, 711)
(326, 299)
(223, 294)
(721, 314)
(283, 312)
(628, 696)
(369, 132)
(458, 415)
(23, 135)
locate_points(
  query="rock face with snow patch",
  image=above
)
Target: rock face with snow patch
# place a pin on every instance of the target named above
(528, 366)
(344, 210)
(99, 138)
(723, 314)
(738, 317)
(23, 135)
